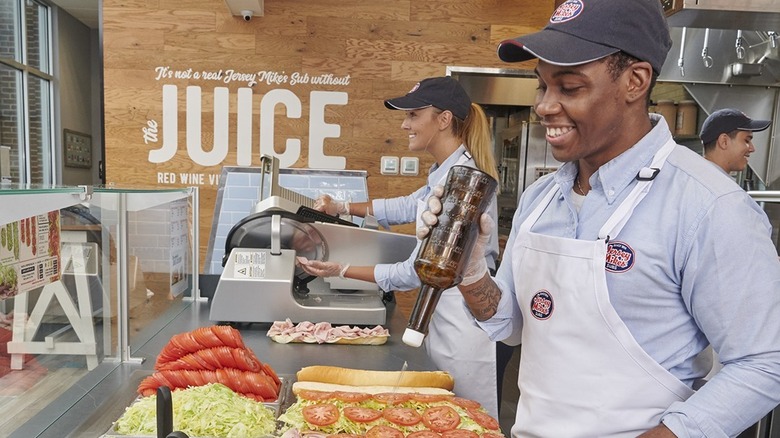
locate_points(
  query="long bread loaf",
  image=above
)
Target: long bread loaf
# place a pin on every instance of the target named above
(357, 377)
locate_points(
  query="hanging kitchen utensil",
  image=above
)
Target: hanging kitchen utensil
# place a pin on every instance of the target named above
(739, 45)
(704, 51)
(681, 59)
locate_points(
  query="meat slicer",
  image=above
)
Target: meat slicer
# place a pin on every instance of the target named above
(260, 281)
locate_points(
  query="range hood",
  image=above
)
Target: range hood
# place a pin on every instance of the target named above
(723, 14)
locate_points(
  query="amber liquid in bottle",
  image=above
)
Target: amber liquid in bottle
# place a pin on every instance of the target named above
(444, 253)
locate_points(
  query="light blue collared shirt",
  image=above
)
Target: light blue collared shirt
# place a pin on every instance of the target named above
(705, 271)
(402, 210)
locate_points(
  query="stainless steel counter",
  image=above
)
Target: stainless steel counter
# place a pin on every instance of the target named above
(104, 393)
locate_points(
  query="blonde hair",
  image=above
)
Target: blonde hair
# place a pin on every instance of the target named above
(475, 133)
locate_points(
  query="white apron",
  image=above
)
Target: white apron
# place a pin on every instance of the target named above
(457, 346)
(582, 374)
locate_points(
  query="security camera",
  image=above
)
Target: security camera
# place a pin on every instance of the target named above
(247, 14)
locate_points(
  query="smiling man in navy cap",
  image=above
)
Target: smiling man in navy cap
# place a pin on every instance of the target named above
(632, 258)
(727, 137)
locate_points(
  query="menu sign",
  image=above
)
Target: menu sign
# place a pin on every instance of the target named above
(29, 253)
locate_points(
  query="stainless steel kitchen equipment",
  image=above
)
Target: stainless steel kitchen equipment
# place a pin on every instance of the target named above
(260, 281)
(722, 14)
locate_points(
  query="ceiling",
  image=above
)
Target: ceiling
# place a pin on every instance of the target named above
(86, 11)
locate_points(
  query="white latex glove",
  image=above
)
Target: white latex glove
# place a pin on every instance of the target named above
(476, 268)
(321, 269)
(330, 206)
(430, 217)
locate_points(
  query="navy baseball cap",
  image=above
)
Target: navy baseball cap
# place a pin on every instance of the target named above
(726, 120)
(444, 93)
(581, 31)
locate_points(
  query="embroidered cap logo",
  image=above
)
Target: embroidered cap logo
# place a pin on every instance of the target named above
(568, 10)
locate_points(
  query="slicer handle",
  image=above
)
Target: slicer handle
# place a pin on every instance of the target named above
(276, 234)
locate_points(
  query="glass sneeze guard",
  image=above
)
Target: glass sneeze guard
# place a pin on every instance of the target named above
(87, 276)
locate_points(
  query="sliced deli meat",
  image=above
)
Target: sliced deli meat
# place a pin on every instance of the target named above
(285, 332)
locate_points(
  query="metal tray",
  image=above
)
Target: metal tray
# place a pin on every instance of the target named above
(278, 406)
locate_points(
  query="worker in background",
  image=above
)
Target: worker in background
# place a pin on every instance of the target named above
(727, 137)
(439, 120)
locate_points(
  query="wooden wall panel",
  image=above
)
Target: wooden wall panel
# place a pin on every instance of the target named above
(495, 11)
(169, 20)
(209, 42)
(273, 26)
(353, 9)
(383, 47)
(444, 32)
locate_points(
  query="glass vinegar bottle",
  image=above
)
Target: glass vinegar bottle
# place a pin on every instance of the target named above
(444, 253)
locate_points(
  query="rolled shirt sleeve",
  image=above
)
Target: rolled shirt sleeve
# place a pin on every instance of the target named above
(400, 210)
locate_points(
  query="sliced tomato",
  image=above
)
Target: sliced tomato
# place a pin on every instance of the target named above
(384, 432)
(483, 419)
(392, 398)
(459, 433)
(321, 414)
(465, 403)
(351, 397)
(361, 415)
(429, 398)
(313, 395)
(423, 434)
(402, 416)
(441, 418)
(492, 435)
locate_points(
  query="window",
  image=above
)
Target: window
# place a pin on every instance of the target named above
(26, 90)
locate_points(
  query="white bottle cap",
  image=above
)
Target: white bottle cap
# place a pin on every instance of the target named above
(413, 338)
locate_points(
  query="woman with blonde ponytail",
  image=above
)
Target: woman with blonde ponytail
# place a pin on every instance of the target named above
(476, 135)
(442, 121)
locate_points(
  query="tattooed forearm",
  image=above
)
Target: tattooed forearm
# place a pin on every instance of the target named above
(482, 298)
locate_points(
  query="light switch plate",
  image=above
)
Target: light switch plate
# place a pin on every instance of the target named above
(389, 166)
(410, 166)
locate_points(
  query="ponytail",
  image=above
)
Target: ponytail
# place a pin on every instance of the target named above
(475, 133)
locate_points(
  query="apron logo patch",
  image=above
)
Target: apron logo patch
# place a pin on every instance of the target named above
(542, 305)
(620, 257)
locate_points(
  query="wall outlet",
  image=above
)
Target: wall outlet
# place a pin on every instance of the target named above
(389, 166)
(410, 166)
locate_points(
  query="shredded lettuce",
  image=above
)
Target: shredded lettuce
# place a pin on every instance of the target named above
(212, 410)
